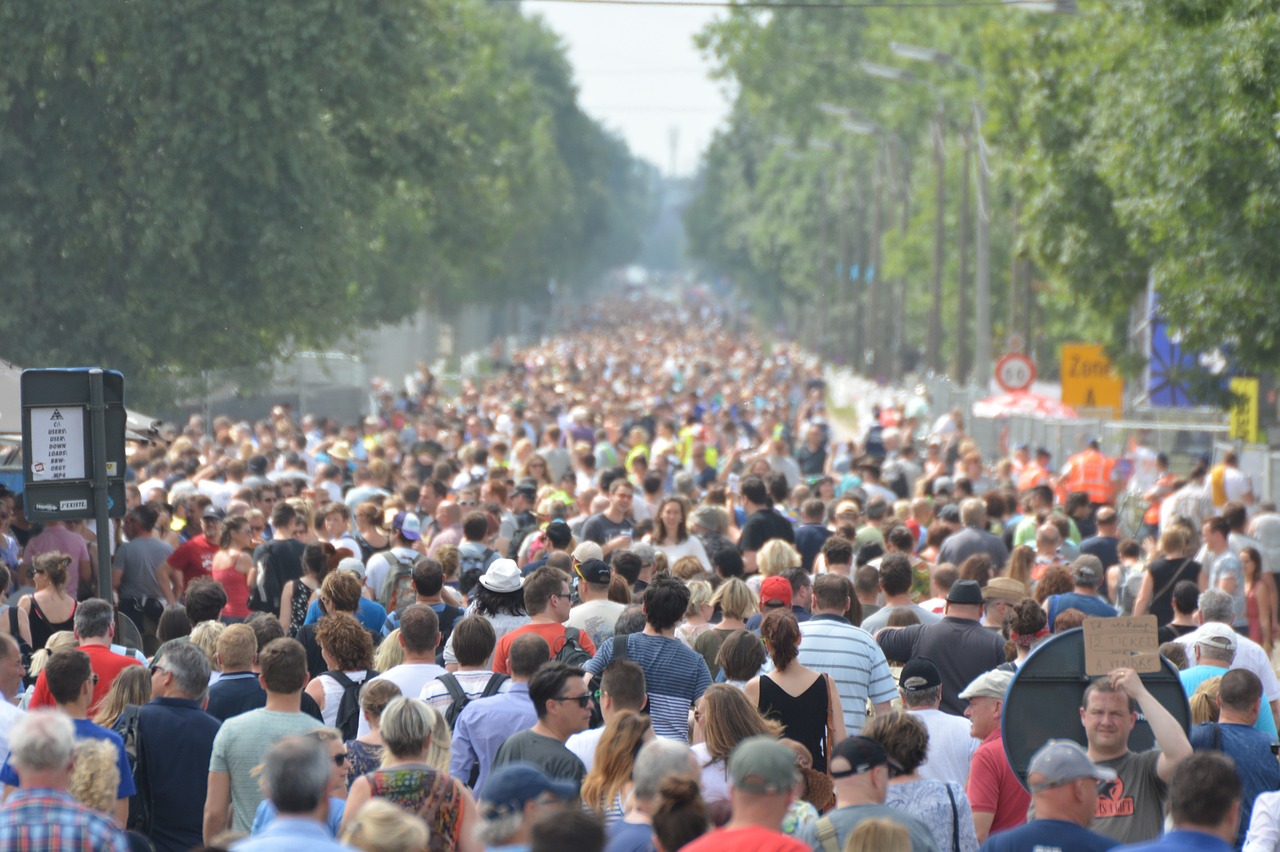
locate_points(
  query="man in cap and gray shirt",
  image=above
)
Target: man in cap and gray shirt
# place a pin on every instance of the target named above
(951, 745)
(860, 775)
(1064, 789)
(959, 645)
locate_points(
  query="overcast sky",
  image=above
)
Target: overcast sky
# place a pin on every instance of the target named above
(639, 73)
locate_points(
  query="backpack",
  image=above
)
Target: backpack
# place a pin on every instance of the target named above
(619, 653)
(460, 697)
(529, 525)
(571, 652)
(471, 566)
(397, 590)
(348, 718)
(126, 725)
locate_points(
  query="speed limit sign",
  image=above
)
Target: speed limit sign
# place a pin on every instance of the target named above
(1015, 372)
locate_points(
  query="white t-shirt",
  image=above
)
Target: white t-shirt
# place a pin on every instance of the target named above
(376, 570)
(410, 677)
(596, 619)
(689, 547)
(715, 775)
(951, 747)
(584, 745)
(9, 716)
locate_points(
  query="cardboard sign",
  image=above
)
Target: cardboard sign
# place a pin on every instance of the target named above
(1114, 643)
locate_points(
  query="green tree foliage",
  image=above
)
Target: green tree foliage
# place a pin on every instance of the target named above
(1136, 137)
(191, 185)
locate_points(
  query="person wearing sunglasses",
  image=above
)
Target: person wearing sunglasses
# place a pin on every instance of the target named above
(331, 739)
(563, 703)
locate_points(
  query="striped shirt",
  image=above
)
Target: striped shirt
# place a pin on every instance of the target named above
(830, 644)
(674, 675)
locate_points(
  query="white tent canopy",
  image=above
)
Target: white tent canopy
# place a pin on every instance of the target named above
(139, 427)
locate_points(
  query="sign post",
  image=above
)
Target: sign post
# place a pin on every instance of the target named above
(73, 425)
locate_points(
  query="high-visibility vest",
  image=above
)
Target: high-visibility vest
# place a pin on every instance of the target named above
(1032, 475)
(1152, 515)
(1089, 471)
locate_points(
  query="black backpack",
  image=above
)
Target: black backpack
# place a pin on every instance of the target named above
(348, 719)
(460, 697)
(571, 652)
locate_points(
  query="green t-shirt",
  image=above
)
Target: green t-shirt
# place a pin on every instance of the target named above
(242, 744)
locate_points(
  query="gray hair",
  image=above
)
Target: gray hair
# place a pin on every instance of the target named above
(93, 619)
(297, 774)
(973, 512)
(498, 827)
(1217, 605)
(921, 697)
(659, 759)
(710, 518)
(645, 551)
(1213, 652)
(42, 740)
(683, 483)
(189, 665)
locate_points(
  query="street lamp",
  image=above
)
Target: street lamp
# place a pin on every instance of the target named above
(982, 289)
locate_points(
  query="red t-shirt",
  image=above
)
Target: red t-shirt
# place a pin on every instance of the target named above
(106, 665)
(553, 633)
(750, 839)
(994, 789)
(194, 559)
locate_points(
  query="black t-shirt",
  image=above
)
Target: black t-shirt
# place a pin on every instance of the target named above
(600, 529)
(961, 648)
(278, 561)
(762, 526)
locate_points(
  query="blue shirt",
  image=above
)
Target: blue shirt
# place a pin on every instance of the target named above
(51, 820)
(1091, 605)
(372, 614)
(484, 725)
(176, 735)
(1182, 840)
(1192, 678)
(1255, 764)
(630, 837)
(288, 834)
(86, 730)
(266, 815)
(674, 674)
(1048, 835)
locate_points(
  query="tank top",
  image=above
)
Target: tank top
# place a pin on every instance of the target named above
(426, 792)
(1165, 574)
(803, 716)
(236, 586)
(42, 628)
(298, 606)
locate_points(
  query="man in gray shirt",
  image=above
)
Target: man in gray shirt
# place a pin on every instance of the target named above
(860, 774)
(135, 574)
(895, 584)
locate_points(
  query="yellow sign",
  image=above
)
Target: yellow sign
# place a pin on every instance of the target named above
(1244, 414)
(1088, 380)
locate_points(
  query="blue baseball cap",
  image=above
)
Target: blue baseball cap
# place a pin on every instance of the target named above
(508, 789)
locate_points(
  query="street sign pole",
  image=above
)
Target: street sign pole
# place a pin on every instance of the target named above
(98, 436)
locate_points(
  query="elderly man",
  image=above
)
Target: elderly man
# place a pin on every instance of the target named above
(658, 759)
(973, 538)
(951, 745)
(513, 798)
(1064, 788)
(1218, 607)
(860, 775)
(41, 814)
(998, 800)
(297, 773)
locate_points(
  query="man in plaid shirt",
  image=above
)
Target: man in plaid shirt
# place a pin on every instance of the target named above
(41, 815)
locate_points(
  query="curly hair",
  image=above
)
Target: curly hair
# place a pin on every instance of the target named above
(903, 737)
(96, 775)
(341, 591)
(345, 641)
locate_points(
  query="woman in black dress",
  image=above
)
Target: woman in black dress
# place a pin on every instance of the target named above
(1173, 565)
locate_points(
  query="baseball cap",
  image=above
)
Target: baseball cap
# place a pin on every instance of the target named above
(1005, 589)
(586, 551)
(949, 513)
(527, 488)
(509, 787)
(944, 485)
(992, 684)
(595, 571)
(1087, 570)
(762, 765)
(408, 525)
(965, 592)
(856, 755)
(214, 512)
(775, 590)
(352, 565)
(1215, 634)
(919, 674)
(1060, 761)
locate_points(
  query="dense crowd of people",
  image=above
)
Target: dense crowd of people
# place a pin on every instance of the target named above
(638, 590)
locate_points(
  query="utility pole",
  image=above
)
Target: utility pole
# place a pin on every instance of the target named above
(934, 344)
(962, 277)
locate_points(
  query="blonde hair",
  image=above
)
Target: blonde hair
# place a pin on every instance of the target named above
(389, 654)
(878, 835)
(412, 728)
(699, 596)
(380, 826)
(735, 599)
(1204, 701)
(777, 556)
(96, 776)
(205, 636)
(687, 567)
(131, 686)
(59, 641)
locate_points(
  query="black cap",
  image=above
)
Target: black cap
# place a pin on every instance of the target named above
(856, 755)
(949, 513)
(527, 488)
(920, 673)
(257, 465)
(214, 512)
(965, 592)
(595, 571)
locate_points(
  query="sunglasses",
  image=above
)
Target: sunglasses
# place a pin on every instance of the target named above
(583, 700)
(156, 667)
(340, 759)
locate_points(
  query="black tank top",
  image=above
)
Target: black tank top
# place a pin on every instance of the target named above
(42, 628)
(803, 716)
(1165, 574)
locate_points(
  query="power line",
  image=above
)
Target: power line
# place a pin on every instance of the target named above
(803, 4)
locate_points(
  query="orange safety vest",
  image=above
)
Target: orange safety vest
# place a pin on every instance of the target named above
(1152, 515)
(1089, 471)
(1031, 476)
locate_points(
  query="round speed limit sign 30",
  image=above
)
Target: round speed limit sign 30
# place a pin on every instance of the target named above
(1015, 372)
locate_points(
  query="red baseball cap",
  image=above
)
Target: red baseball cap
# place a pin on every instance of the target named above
(776, 591)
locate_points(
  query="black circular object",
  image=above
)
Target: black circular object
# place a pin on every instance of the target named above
(1044, 698)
